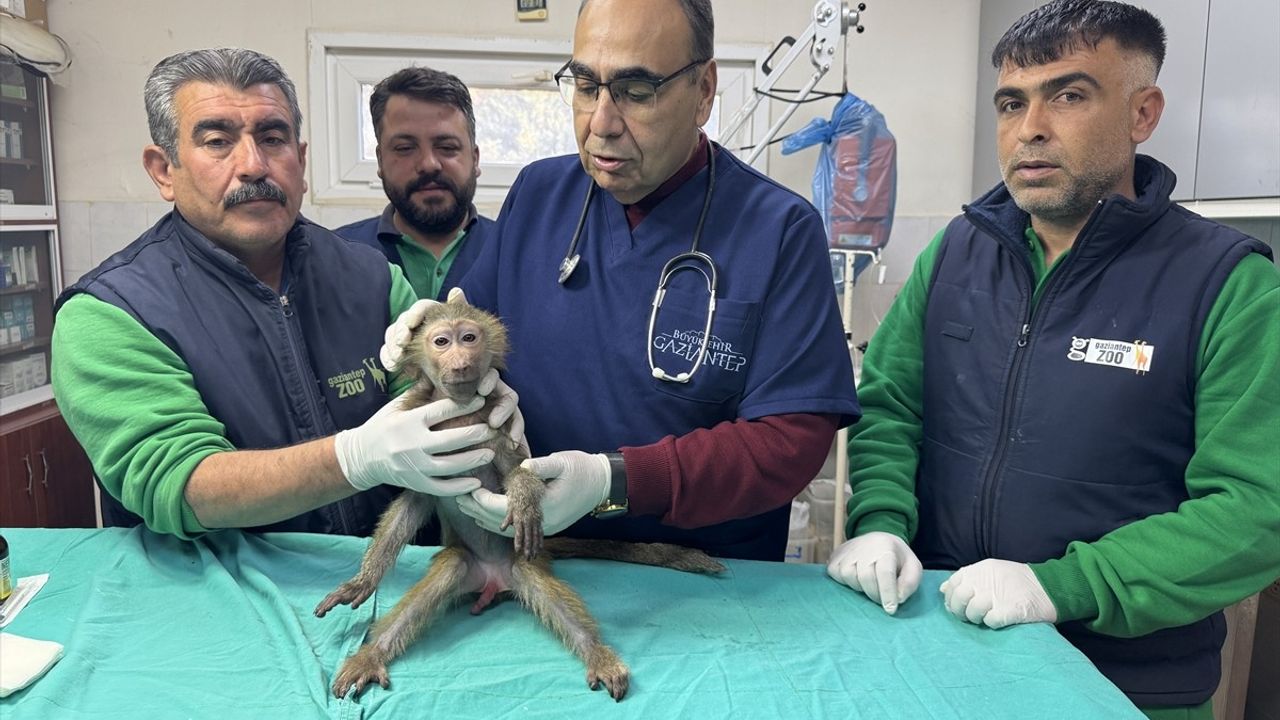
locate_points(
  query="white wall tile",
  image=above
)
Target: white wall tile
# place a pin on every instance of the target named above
(335, 216)
(115, 225)
(75, 237)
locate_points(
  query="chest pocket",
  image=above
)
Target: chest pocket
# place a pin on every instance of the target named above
(677, 338)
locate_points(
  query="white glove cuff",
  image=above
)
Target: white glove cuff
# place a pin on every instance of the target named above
(344, 446)
(606, 472)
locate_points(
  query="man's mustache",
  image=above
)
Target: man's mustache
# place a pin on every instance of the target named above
(257, 190)
(424, 180)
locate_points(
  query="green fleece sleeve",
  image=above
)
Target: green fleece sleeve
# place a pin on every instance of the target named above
(1223, 544)
(402, 297)
(884, 446)
(133, 405)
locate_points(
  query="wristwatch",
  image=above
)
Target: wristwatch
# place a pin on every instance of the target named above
(616, 504)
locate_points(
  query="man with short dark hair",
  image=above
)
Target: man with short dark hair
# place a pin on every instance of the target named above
(1072, 402)
(428, 161)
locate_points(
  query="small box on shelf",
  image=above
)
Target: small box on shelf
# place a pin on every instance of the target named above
(17, 319)
(12, 82)
(22, 265)
(19, 375)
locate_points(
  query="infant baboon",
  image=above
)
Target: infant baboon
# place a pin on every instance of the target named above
(451, 350)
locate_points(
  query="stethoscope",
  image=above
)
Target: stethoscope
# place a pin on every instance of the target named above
(674, 265)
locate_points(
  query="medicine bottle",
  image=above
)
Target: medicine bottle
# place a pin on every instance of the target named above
(6, 579)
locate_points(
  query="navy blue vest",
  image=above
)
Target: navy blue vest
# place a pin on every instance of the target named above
(1026, 446)
(379, 232)
(275, 373)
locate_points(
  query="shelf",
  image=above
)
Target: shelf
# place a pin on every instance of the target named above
(12, 419)
(25, 162)
(20, 102)
(28, 288)
(24, 346)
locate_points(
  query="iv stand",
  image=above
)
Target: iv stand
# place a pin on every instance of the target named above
(842, 436)
(828, 28)
(830, 24)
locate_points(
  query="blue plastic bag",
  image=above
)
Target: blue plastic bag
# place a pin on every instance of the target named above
(856, 180)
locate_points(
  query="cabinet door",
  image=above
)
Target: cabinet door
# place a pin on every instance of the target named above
(1182, 79)
(63, 476)
(26, 167)
(1240, 117)
(19, 496)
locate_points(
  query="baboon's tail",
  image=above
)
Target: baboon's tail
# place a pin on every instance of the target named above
(665, 555)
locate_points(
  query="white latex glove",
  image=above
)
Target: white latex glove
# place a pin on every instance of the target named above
(398, 447)
(506, 405)
(397, 335)
(997, 593)
(880, 565)
(577, 483)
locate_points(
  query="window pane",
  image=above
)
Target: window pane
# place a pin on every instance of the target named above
(520, 126)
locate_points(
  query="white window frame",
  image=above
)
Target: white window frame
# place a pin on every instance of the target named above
(340, 62)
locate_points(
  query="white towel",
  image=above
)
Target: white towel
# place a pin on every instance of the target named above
(22, 660)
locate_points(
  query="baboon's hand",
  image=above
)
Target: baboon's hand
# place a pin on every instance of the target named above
(352, 592)
(528, 531)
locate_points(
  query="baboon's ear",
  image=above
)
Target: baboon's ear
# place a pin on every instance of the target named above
(457, 297)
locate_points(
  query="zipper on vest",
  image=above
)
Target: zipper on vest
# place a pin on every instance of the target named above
(984, 522)
(304, 369)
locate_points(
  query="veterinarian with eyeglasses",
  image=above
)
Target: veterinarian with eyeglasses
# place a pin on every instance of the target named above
(678, 351)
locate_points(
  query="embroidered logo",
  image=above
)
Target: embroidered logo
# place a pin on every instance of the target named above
(1135, 356)
(351, 383)
(379, 376)
(686, 344)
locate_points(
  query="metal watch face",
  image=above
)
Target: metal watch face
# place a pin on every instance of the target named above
(604, 512)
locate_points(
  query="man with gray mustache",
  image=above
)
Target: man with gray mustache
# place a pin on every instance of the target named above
(222, 370)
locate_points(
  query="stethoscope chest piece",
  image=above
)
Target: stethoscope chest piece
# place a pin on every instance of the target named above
(567, 266)
(691, 260)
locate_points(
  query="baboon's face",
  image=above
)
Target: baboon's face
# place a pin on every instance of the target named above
(458, 350)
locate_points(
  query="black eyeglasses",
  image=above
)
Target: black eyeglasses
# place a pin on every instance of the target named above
(631, 95)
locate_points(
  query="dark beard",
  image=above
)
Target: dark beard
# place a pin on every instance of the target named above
(435, 219)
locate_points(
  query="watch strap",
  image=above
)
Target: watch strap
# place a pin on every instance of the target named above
(616, 503)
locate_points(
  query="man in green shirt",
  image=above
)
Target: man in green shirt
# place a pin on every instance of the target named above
(222, 370)
(1072, 402)
(429, 162)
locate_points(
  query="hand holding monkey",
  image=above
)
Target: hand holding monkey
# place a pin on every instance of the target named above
(398, 446)
(577, 483)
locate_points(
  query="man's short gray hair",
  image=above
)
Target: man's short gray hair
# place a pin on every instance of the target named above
(238, 68)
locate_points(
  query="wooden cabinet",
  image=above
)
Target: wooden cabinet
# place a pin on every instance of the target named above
(45, 477)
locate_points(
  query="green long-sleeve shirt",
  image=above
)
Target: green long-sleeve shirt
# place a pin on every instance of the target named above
(1165, 570)
(133, 405)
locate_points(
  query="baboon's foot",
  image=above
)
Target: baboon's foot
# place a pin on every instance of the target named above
(605, 668)
(364, 667)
